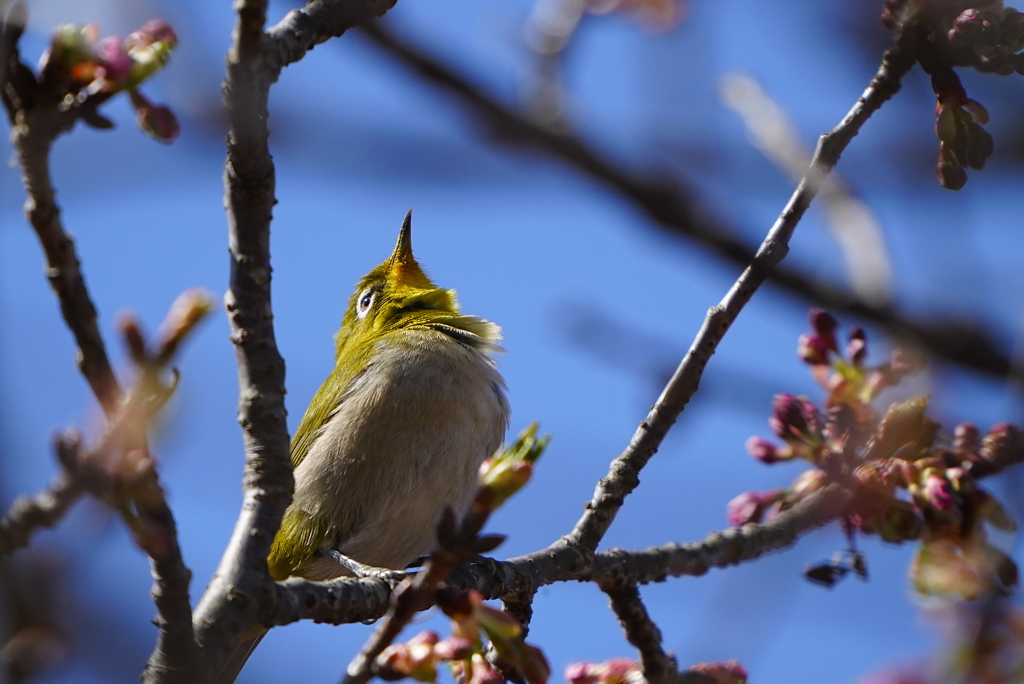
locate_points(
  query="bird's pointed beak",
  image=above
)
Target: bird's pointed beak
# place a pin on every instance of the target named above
(402, 266)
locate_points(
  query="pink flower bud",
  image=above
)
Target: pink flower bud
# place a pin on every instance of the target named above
(813, 350)
(153, 31)
(750, 506)
(938, 492)
(582, 673)
(857, 347)
(824, 326)
(116, 62)
(453, 648)
(795, 420)
(966, 439)
(1003, 445)
(730, 672)
(763, 450)
(156, 121)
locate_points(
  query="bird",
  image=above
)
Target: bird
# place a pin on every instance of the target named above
(395, 434)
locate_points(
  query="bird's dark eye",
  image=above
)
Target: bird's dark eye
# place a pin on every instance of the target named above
(364, 303)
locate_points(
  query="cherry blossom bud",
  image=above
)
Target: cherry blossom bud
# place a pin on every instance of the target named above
(813, 350)
(582, 673)
(730, 672)
(824, 326)
(414, 658)
(977, 111)
(453, 648)
(787, 420)
(967, 439)
(938, 491)
(750, 506)
(946, 125)
(115, 60)
(1002, 445)
(763, 450)
(856, 348)
(611, 671)
(153, 31)
(156, 121)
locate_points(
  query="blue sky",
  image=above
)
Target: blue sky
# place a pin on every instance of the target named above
(538, 249)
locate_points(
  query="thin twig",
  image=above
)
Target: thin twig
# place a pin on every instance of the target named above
(658, 666)
(456, 541)
(623, 475)
(671, 206)
(45, 509)
(410, 596)
(32, 138)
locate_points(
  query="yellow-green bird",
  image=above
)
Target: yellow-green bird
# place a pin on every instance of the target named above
(396, 432)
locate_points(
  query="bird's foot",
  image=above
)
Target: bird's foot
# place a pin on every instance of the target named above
(392, 577)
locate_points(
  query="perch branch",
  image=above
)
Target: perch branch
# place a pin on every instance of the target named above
(348, 600)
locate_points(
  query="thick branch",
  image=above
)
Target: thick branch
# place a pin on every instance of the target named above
(671, 206)
(623, 475)
(231, 602)
(320, 20)
(176, 657)
(658, 667)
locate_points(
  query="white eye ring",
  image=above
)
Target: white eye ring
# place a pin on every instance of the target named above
(364, 303)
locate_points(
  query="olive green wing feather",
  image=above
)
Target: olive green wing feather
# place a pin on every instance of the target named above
(324, 404)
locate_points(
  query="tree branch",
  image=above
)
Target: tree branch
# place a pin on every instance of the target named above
(32, 137)
(623, 475)
(303, 29)
(658, 667)
(347, 600)
(45, 509)
(671, 206)
(231, 603)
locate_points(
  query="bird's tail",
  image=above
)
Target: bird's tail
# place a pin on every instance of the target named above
(233, 667)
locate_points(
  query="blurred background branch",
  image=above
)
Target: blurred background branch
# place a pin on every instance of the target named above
(673, 207)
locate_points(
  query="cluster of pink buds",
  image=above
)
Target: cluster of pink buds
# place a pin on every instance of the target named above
(912, 484)
(627, 671)
(846, 377)
(418, 657)
(612, 671)
(80, 64)
(980, 34)
(472, 618)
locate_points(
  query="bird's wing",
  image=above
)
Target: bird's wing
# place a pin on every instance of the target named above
(325, 403)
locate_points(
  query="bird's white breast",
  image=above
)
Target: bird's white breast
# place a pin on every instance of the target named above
(407, 439)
